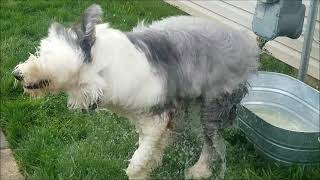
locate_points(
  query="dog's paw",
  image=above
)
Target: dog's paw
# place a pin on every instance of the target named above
(198, 171)
(136, 173)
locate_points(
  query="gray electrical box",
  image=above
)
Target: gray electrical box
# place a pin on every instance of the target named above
(275, 18)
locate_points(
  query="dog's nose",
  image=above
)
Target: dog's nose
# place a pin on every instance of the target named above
(18, 75)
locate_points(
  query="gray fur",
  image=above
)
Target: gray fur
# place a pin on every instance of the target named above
(162, 54)
(86, 30)
(196, 57)
(216, 114)
(220, 112)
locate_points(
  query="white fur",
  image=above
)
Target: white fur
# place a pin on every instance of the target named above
(153, 138)
(120, 74)
(60, 60)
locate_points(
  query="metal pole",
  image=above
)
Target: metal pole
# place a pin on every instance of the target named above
(308, 39)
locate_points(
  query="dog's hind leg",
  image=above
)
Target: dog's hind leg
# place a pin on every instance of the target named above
(218, 143)
(153, 138)
(212, 119)
(216, 114)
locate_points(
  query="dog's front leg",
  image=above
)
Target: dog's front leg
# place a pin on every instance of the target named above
(153, 138)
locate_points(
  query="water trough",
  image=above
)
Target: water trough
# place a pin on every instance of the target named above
(280, 116)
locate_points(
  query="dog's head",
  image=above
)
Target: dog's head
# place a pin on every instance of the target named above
(56, 64)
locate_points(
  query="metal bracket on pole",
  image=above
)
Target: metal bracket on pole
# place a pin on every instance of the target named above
(308, 39)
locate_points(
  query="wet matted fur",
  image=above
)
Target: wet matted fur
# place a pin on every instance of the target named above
(145, 75)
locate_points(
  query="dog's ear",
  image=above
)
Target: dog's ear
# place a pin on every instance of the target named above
(86, 29)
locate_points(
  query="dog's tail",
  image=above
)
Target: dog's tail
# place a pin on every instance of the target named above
(86, 31)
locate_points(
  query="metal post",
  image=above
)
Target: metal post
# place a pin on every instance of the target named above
(308, 39)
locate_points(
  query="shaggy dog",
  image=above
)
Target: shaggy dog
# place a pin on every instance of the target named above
(145, 75)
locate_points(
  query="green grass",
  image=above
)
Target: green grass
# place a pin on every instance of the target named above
(51, 142)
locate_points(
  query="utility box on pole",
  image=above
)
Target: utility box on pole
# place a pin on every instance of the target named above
(275, 18)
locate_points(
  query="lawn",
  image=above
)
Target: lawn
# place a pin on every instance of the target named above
(51, 142)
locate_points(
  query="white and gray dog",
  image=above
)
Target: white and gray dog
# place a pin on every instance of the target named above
(145, 75)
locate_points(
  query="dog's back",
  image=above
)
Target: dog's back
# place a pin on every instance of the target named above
(196, 56)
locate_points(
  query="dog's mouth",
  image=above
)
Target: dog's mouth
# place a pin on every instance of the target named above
(39, 85)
